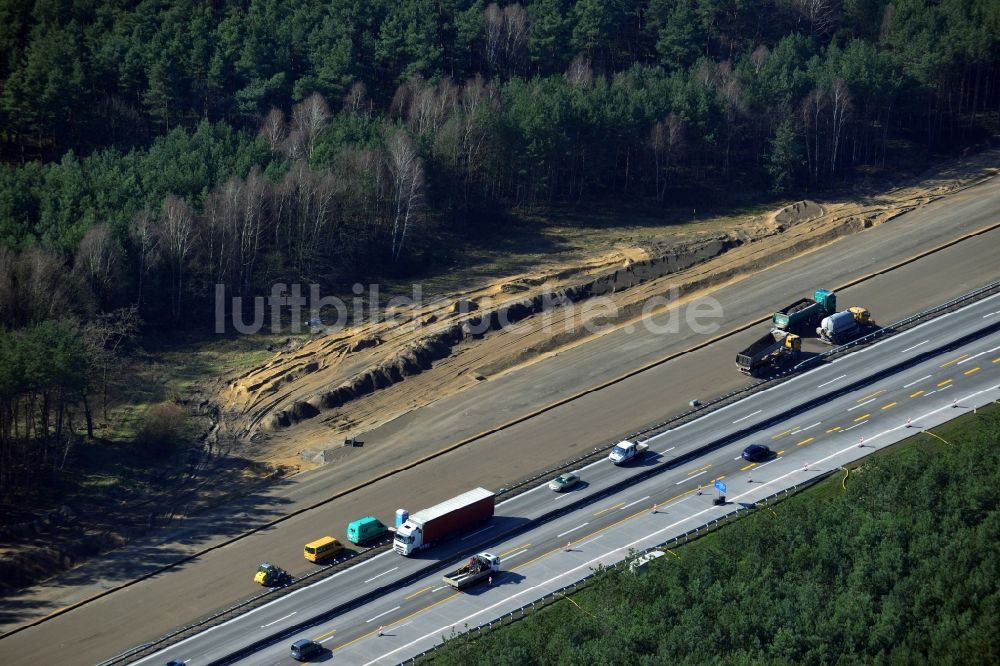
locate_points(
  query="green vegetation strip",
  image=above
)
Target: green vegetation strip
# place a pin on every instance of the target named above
(897, 565)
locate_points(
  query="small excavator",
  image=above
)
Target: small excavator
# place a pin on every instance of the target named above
(269, 575)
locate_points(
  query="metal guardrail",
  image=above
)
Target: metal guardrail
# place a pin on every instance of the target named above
(894, 328)
(740, 511)
(595, 454)
(727, 398)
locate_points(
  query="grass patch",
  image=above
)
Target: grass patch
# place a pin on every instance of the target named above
(898, 568)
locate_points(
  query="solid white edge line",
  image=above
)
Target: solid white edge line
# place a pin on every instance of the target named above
(637, 541)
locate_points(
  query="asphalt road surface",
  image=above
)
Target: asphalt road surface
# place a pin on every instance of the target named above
(152, 607)
(841, 411)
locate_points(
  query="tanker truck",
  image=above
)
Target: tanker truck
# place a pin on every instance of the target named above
(844, 326)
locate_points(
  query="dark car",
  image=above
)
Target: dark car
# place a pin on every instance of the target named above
(305, 649)
(756, 453)
(176, 662)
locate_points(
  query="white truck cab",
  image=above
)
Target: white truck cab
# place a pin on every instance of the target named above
(409, 538)
(625, 451)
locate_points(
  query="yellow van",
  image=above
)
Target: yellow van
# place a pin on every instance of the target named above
(321, 549)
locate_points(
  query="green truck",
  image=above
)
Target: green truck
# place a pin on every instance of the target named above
(805, 314)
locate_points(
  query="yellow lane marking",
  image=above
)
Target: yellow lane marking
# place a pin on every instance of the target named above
(914, 395)
(610, 508)
(419, 592)
(590, 535)
(954, 360)
(514, 550)
(889, 406)
(695, 471)
(971, 371)
(947, 381)
(862, 417)
(996, 360)
(743, 469)
(322, 636)
(833, 429)
(414, 613)
(721, 478)
(805, 441)
(785, 432)
(779, 453)
(871, 396)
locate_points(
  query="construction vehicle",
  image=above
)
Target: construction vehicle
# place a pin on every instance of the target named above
(805, 313)
(768, 350)
(844, 326)
(425, 527)
(626, 451)
(479, 567)
(269, 575)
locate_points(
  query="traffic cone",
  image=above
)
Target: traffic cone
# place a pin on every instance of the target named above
(381, 630)
(654, 508)
(861, 442)
(569, 546)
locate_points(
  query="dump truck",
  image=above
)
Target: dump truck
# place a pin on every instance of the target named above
(424, 528)
(479, 567)
(270, 575)
(805, 313)
(770, 349)
(844, 326)
(626, 451)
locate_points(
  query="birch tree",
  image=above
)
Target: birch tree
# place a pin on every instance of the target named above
(177, 238)
(407, 171)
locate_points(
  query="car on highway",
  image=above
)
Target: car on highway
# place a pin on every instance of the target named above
(756, 453)
(176, 662)
(306, 649)
(564, 482)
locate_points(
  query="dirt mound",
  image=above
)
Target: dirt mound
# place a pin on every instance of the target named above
(345, 382)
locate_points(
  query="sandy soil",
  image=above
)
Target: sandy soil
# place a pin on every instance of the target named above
(295, 409)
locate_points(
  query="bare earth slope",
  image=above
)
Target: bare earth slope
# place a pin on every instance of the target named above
(297, 407)
(218, 577)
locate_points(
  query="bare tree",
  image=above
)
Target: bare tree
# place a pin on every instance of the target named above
(731, 90)
(821, 15)
(177, 237)
(407, 171)
(507, 33)
(309, 118)
(759, 58)
(812, 110)
(356, 99)
(98, 260)
(105, 336)
(274, 129)
(430, 106)
(146, 242)
(840, 109)
(580, 73)
(665, 139)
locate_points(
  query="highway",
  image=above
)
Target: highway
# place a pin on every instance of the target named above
(836, 413)
(152, 607)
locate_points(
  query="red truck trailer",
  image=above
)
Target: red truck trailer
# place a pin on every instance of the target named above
(424, 528)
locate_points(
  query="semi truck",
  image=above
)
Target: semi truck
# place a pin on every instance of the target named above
(479, 567)
(770, 349)
(844, 326)
(805, 313)
(423, 528)
(626, 451)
